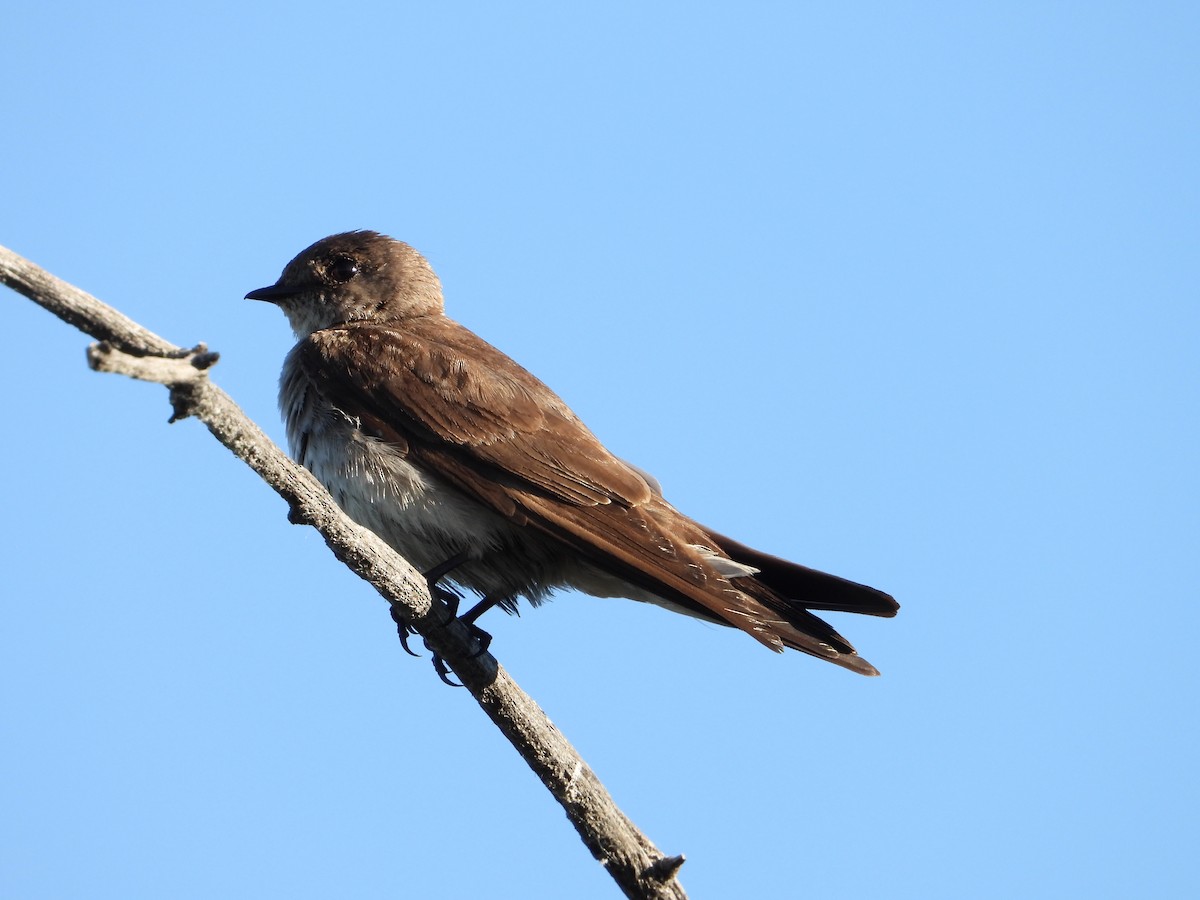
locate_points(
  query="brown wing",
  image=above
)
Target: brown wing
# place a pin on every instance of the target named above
(468, 413)
(447, 388)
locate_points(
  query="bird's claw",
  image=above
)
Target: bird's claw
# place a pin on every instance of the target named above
(451, 600)
(483, 640)
(443, 671)
(404, 630)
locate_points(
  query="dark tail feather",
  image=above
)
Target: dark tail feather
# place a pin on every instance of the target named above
(791, 590)
(799, 629)
(807, 587)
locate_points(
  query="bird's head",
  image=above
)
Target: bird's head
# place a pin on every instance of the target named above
(359, 276)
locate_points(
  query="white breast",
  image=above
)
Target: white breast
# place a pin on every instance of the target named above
(425, 520)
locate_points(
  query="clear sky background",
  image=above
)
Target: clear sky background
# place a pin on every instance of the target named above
(903, 291)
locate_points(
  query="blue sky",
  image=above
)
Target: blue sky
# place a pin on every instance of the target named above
(905, 292)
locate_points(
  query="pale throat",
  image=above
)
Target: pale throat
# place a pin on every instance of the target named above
(307, 316)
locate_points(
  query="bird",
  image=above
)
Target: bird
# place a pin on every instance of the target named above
(484, 479)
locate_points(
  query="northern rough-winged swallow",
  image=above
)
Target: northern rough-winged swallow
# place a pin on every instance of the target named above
(477, 472)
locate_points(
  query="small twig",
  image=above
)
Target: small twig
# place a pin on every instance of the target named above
(637, 866)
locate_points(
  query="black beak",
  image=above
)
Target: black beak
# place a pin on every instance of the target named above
(273, 293)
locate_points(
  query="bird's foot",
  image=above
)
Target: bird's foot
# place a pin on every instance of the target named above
(483, 640)
(405, 630)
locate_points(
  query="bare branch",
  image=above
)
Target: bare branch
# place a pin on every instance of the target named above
(638, 867)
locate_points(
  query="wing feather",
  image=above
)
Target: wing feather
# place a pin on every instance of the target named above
(448, 387)
(466, 412)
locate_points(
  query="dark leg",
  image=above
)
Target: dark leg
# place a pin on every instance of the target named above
(479, 609)
(440, 571)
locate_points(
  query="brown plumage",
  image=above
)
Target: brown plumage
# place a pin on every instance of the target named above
(442, 444)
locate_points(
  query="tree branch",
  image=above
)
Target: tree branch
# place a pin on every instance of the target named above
(125, 347)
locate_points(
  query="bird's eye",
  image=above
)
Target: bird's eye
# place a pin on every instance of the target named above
(342, 269)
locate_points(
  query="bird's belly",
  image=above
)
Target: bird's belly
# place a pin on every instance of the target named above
(423, 519)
